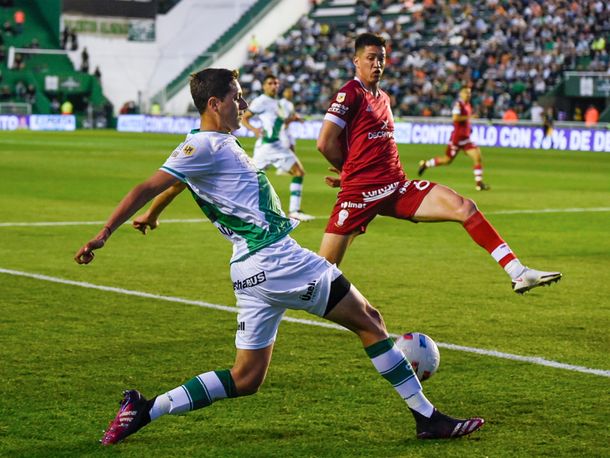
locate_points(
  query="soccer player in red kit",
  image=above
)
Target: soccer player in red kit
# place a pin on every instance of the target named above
(357, 138)
(460, 141)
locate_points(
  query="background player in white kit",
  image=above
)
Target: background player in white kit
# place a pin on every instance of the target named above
(269, 270)
(269, 149)
(290, 115)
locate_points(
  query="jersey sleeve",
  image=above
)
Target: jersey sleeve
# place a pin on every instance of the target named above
(190, 158)
(343, 107)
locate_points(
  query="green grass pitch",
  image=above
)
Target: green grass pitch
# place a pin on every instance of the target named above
(67, 352)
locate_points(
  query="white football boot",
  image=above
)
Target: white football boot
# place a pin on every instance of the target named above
(531, 278)
(301, 216)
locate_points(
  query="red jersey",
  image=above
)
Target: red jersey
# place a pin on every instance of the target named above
(369, 149)
(461, 128)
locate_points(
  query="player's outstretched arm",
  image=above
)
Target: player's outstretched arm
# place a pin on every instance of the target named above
(329, 144)
(150, 218)
(245, 120)
(131, 203)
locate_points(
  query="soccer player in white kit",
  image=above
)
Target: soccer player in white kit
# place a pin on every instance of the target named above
(290, 115)
(269, 270)
(269, 149)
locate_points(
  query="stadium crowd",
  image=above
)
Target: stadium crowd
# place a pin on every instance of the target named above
(510, 52)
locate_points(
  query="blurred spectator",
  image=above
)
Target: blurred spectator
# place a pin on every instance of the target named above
(129, 107)
(84, 60)
(73, 40)
(155, 109)
(253, 47)
(19, 18)
(97, 73)
(5, 92)
(65, 35)
(591, 116)
(19, 62)
(578, 114)
(536, 113)
(510, 116)
(7, 28)
(55, 105)
(67, 108)
(547, 122)
(20, 89)
(30, 94)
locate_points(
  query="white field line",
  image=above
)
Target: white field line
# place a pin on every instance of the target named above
(224, 308)
(203, 220)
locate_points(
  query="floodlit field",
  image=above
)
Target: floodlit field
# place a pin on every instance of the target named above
(69, 347)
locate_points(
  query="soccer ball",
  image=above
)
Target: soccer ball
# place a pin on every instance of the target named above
(422, 353)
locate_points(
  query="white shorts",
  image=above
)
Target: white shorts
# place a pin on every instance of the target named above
(287, 139)
(273, 154)
(281, 276)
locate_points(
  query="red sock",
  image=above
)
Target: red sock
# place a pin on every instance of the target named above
(483, 233)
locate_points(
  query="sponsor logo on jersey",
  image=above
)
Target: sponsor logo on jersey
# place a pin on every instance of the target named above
(341, 97)
(343, 214)
(188, 150)
(404, 187)
(224, 230)
(338, 108)
(383, 133)
(241, 326)
(376, 194)
(249, 282)
(353, 205)
(311, 288)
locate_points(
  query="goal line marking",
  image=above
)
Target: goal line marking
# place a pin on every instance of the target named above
(480, 351)
(204, 220)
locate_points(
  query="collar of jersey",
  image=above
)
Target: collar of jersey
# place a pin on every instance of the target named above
(367, 90)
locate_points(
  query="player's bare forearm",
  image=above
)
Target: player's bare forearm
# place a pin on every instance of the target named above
(131, 203)
(246, 123)
(150, 218)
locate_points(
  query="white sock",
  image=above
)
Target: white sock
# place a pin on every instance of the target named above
(161, 406)
(430, 163)
(419, 402)
(514, 268)
(296, 189)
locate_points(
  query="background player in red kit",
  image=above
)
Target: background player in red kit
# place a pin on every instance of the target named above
(357, 138)
(460, 141)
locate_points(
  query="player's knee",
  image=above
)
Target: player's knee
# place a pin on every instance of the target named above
(466, 209)
(376, 323)
(248, 383)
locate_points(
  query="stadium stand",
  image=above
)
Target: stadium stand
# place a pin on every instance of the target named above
(512, 52)
(41, 82)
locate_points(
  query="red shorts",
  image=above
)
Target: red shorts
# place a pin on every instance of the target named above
(459, 143)
(356, 208)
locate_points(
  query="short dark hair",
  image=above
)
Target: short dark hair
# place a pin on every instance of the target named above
(368, 39)
(269, 76)
(211, 82)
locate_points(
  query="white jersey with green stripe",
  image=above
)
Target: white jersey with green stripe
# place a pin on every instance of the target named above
(269, 112)
(236, 196)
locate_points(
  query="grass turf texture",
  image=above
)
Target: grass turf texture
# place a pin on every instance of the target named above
(67, 352)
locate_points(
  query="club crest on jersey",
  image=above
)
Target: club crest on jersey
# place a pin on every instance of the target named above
(341, 97)
(188, 150)
(369, 108)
